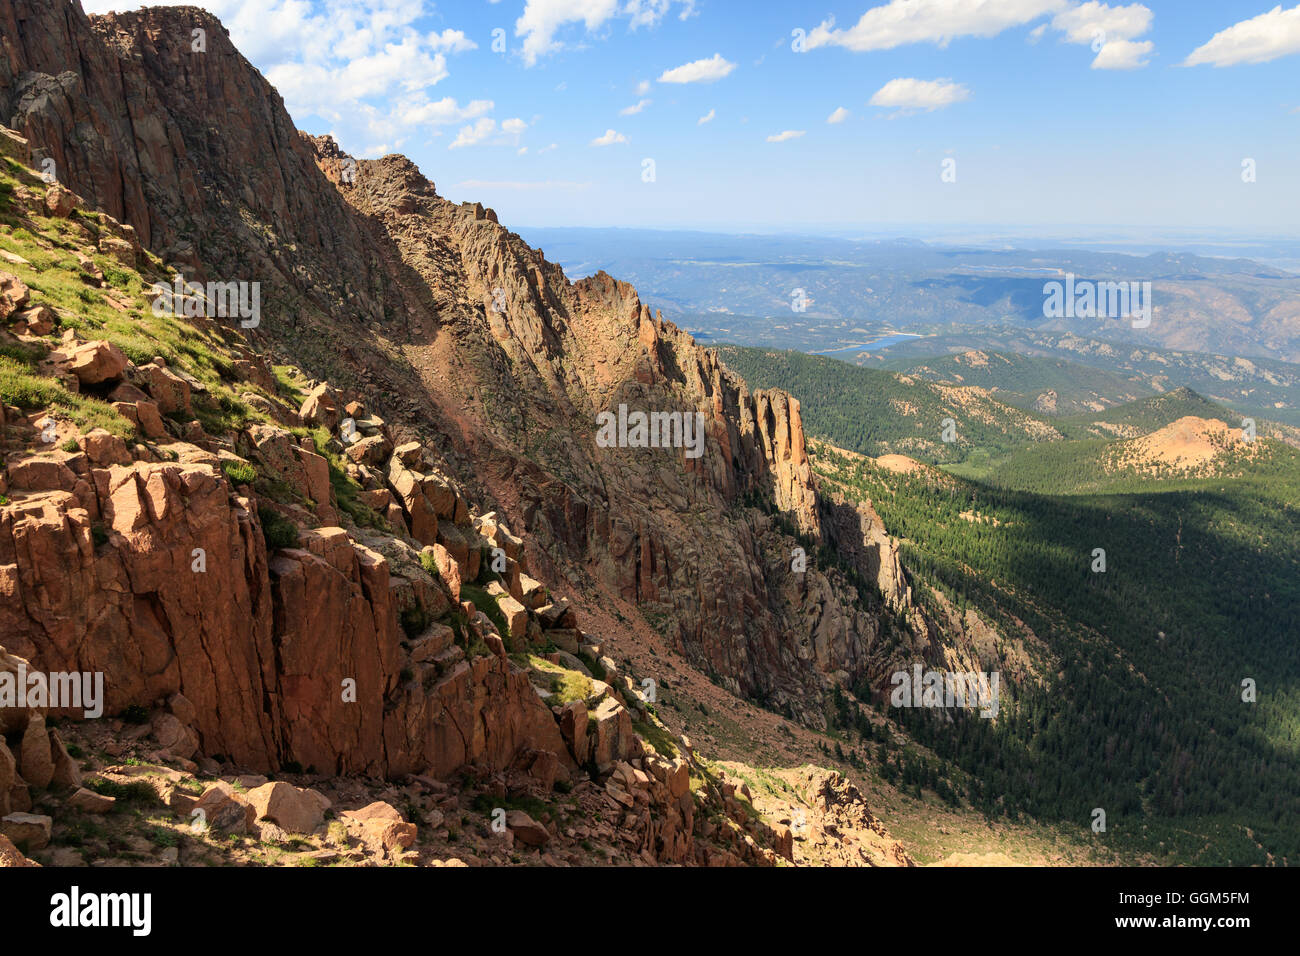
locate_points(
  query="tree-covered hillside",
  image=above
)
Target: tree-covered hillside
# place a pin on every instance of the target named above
(876, 413)
(1145, 719)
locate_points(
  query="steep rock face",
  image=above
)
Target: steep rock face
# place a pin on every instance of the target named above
(134, 610)
(504, 363)
(859, 535)
(538, 359)
(260, 648)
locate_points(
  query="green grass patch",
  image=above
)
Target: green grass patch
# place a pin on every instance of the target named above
(658, 737)
(566, 685)
(278, 530)
(20, 386)
(239, 472)
(488, 605)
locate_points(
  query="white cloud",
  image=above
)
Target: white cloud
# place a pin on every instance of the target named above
(523, 150)
(547, 149)
(609, 139)
(485, 132)
(839, 116)
(1111, 31)
(543, 19)
(1083, 23)
(1123, 55)
(706, 118)
(784, 135)
(643, 88)
(646, 13)
(633, 110)
(452, 41)
(699, 71)
(475, 134)
(1257, 40)
(442, 112)
(901, 22)
(909, 94)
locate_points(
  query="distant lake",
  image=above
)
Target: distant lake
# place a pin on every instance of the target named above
(887, 341)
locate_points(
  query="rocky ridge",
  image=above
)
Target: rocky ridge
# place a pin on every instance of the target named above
(346, 473)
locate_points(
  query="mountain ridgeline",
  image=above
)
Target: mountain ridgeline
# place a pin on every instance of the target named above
(391, 477)
(371, 537)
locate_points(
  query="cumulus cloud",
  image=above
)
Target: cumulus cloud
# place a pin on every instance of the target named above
(839, 116)
(1257, 40)
(907, 94)
(1111, 31)
(784, 135)
(474, 134)
(452, 41)
(901, 22)
(442, 112)
(543, 19)
(646, 13)
(634, 109)
(609, 138)
(699, 71)
(485, 132)
(706, 118)
(1123, 55)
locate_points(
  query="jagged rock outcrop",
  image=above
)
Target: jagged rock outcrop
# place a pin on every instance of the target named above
(348, 650)
(263, 646)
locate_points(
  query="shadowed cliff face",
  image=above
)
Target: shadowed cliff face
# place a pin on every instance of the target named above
(461, 334)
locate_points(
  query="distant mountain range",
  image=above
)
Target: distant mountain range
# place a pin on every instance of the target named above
(746, 289)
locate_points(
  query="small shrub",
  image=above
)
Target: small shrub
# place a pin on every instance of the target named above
(136, 792)
(430, 565)
(239, 472)
(415, 620)
(278, 530)
(163, 837)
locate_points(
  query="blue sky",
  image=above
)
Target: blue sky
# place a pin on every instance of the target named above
(1052, 114)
